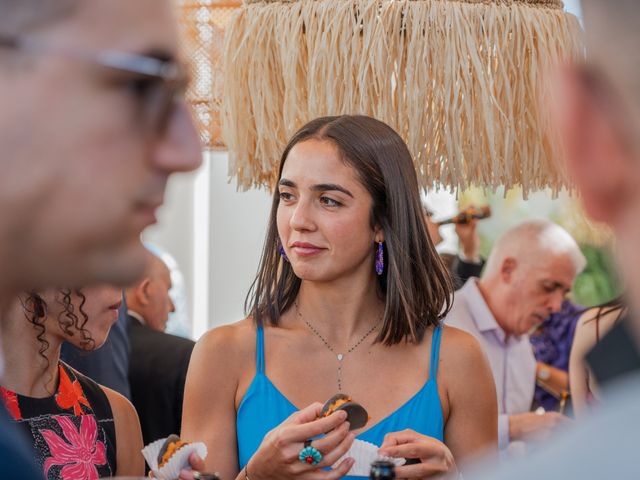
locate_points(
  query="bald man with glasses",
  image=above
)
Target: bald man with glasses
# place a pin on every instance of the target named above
(92, 124)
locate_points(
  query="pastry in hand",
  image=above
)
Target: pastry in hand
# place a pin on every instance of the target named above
(171, 445)
(357, 416)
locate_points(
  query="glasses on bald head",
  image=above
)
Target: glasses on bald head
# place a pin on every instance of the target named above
(159, 83)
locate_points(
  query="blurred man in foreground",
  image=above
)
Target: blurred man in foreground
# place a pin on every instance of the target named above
(91, 127)
(598, 112)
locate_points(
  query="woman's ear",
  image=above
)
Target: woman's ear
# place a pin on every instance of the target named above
(378, 234)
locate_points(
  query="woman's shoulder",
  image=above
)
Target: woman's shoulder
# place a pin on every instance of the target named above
(125, 416)
(459, 347)
(593, 323)
(128, 434)
(231, 342)
(464, 369)
(596, 322)
(604, 317)
(121, 407)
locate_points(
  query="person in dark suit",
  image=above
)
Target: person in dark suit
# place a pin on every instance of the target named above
(159, 361)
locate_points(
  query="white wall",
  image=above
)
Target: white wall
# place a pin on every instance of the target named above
(215, 233)
(174, 233)
(574, 7)
(238, 227)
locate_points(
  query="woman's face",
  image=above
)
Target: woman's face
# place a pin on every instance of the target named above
(101, 307)
(324, 214)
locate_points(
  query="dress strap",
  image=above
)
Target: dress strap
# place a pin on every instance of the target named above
(260, 349)
(435, 352)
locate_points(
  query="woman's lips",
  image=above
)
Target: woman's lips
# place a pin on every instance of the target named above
(303, 249)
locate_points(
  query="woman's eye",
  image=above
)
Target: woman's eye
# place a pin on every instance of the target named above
(329, 202)
(285, 196)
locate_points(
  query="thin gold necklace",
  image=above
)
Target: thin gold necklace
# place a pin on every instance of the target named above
(339, 356)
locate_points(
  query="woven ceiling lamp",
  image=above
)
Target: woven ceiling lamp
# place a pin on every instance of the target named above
(203, 24)
(460, 80)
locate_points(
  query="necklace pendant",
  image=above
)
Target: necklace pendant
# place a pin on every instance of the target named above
(340, 357)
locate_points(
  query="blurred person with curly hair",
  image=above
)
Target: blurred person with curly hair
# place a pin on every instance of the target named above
(77, 427)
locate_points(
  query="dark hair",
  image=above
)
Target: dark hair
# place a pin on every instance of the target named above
(70, 320)
(415, 285)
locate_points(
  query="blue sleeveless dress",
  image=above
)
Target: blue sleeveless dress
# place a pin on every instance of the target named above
(264, 407)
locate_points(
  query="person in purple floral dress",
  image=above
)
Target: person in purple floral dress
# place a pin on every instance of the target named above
(551, 343)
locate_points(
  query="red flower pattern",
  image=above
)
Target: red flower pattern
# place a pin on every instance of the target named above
(79, 453)
(10, 400)
(70, 394)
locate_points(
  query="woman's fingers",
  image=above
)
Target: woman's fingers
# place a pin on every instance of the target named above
(306, 415)
(331, 450)
(435, 457)
(289, 438)
(398, 438)
(415, 450)
(339, 450)
(314, 428)
(185, 475)
(195, 462)
(332, 439)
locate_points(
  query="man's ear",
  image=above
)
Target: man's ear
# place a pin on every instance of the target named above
(142, 292)
(597, 158)
(507, 268)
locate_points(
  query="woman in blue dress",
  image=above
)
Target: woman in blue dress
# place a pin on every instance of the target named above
(349, 297)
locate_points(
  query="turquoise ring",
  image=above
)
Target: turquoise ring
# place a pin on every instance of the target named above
(309, 455)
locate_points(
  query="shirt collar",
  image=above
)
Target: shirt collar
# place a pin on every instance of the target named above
(480, 312)
(136, 315)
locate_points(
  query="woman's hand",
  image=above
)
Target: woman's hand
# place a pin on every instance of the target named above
(196, 463)
(435, 458)
(277, 456)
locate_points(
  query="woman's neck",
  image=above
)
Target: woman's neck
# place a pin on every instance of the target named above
(341, 311)
(26, 372)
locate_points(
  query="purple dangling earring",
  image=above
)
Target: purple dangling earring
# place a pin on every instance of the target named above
(283, 254)
(379, 259)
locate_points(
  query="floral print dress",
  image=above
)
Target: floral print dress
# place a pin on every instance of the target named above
(73, 432)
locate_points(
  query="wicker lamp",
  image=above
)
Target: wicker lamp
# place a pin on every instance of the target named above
(460, 80)
(203, 24)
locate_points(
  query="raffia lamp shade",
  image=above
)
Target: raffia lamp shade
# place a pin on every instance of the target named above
(203, 24)
(460, 80)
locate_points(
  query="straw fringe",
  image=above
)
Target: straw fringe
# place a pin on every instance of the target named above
(461, 81)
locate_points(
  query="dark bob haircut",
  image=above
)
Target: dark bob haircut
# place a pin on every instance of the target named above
(415, 286)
